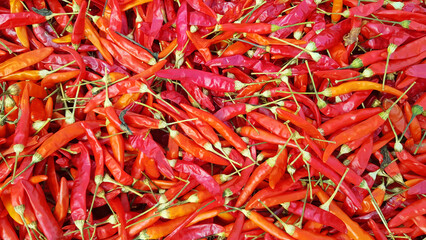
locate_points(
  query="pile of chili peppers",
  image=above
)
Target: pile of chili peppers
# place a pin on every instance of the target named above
(192, 119)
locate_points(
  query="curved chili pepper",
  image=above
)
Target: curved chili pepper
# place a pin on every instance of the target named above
(117, 206)
(284, 92)
(331, 36)
(301, 123)
(199, 78)
(258, 175)
(123, 57)
(78, 192)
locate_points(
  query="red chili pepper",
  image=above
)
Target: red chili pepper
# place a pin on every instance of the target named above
(195, 150)
(398, 15)
(299, 14)
(123, 57)
(219, 126)
(150, 148)
(131, 48)
(78, 29)
(303, 124)
(45, 218)
(331, 36)
(117, 207)
(62, 202)
(6, 230)
(415, 209)
(347, 119)
(78, 192)
(378, 233)
(18, 19)
(269, 227)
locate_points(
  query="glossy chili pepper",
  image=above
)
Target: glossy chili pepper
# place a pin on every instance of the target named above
(279, 169)
(310, 129)
(19, 19)
(62, 202)
(354, 230)
(378, 233)
(131, 48)
(93, 36)
(219, 126)
(199, 78)
(331, 36)
(150, 148)
(23, 60)
(267, 226)
(6, 229)
(123, 57)
(79, 25)
(316, 214)
(414, 125)
(393, 65)
(415, 209)
(196, 151)
(349, 87)
(23, 128)
(299, 14)
(347, 119)
(264, 136)
(337, 8)
(46, 220)
(400, 15)
(119, 211)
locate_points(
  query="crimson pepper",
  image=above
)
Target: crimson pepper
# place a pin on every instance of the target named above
(45, 218)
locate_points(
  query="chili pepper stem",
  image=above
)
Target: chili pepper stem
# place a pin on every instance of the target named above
(37, 157)
(418, 146)
(361, 76)
(20, 209)
(326, 205)
(98, 181)
(379, 211)
(18, 148)
(391, 49)
(80, 225)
